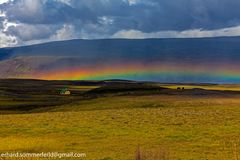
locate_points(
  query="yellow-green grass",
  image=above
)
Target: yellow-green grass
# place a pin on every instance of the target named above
(221, 87)
(187, 128)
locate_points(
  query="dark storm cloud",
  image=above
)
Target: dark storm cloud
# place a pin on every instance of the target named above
(39, 12)
(1, 22)
(103, 18)
(144, 15)
(156, 15)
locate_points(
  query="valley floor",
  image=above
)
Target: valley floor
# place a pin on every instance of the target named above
(168, 126)
(160, 126)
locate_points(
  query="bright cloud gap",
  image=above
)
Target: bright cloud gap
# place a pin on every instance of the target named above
(194, 33)
(67, 33)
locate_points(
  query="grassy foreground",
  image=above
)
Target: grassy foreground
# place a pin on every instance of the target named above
(122, 127)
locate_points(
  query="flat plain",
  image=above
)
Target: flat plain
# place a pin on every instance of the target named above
(121, 120)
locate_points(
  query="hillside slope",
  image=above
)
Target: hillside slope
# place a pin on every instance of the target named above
(166, 60)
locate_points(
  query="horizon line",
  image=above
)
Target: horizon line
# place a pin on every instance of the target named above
(100, 39)
(126, 80)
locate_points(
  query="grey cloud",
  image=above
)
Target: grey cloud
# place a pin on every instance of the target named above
(1, 22)
(105, 18)
(156, 15)
(39, 11)
(29, 32)
(146, 15)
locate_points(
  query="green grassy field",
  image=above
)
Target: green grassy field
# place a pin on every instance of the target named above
(158, 125)
(226, 87)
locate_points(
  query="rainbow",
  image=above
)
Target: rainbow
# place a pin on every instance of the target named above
(151, 72)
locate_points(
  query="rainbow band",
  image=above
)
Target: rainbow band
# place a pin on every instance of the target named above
(161, 73)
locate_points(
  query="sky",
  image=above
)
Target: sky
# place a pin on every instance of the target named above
(24, 22)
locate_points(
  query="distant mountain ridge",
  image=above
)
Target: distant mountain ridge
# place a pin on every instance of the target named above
(90, 48)
(198, 54)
